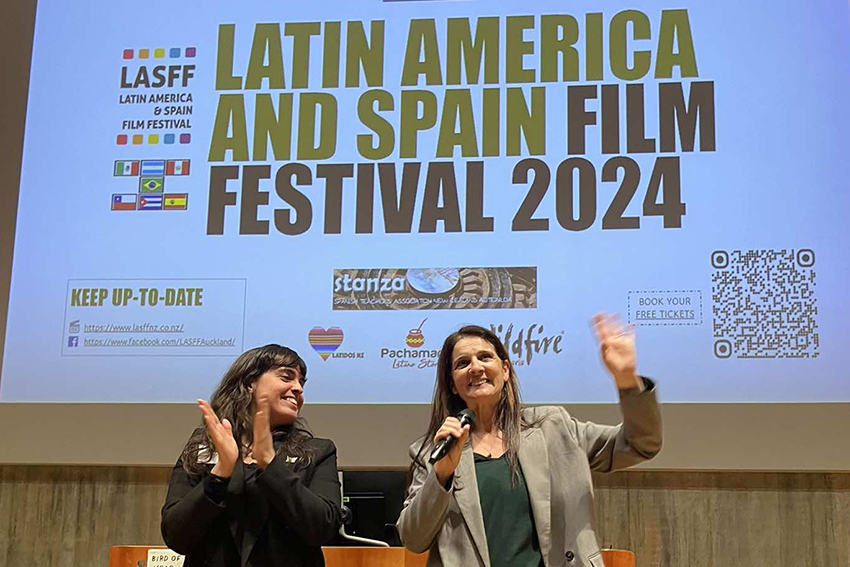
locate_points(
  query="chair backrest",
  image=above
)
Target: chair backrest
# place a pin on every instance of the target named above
(346, 513)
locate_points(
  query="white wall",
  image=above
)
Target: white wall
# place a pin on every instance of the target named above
(702, 437)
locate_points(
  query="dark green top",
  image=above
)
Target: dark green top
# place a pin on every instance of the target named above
(508, 521)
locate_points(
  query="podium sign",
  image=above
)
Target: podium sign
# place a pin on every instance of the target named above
(164, 558)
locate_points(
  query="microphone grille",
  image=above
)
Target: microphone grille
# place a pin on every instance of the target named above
(466, 416)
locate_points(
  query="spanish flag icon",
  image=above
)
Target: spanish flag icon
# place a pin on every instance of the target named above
(175, 201)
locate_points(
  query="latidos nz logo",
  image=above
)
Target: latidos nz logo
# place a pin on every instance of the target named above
(325, 341)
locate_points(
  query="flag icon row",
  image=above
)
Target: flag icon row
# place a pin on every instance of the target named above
(161, 202)
(151, 167)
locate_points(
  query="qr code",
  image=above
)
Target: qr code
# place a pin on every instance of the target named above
(764, 304)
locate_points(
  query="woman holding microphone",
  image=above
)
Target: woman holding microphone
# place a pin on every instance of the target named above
(515, 489)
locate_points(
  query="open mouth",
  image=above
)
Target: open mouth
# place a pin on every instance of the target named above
(479, 382)
(292, 400)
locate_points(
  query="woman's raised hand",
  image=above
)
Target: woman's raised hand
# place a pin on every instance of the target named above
(617, 346)
(445, 467)
(221, 434)
(263, 449)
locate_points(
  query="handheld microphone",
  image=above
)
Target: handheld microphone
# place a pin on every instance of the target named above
(466, 417)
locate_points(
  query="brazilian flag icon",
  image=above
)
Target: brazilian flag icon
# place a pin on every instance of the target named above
(151, 184)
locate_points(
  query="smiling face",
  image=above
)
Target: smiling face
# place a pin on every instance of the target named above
(284, 388)
(478, 374)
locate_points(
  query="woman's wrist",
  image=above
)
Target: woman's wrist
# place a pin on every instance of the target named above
(222, 470)
(443, 476)
(264, 459)
(630, 381)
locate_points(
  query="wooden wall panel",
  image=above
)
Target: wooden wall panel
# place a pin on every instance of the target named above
(70, 516)
(617, 526)
(719, 518)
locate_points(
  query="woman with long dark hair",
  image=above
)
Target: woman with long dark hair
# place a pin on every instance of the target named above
(515, 489)
(253, 486)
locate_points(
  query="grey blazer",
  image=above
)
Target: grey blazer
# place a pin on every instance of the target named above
(557, 458)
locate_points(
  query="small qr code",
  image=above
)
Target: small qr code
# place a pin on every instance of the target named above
(764, 304)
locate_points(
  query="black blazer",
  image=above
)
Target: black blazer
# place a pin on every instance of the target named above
(281, 518)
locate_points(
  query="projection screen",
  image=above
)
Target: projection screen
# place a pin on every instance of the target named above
(358, 180)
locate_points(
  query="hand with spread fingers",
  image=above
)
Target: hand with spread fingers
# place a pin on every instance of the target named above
(263, 449)
(221, 435)
(617, 346)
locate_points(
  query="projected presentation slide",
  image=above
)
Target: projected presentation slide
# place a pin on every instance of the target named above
(357, 180)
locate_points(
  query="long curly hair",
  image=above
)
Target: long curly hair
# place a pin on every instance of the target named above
(233, 400)
(509, 418)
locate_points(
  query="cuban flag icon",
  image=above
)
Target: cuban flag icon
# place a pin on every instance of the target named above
(150, 202)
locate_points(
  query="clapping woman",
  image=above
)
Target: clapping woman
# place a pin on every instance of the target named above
(253, 487)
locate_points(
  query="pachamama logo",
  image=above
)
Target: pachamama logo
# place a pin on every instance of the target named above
(415, 338)
(326, 342)
(413, 355)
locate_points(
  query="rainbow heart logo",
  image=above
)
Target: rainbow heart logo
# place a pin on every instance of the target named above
(325, 341)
